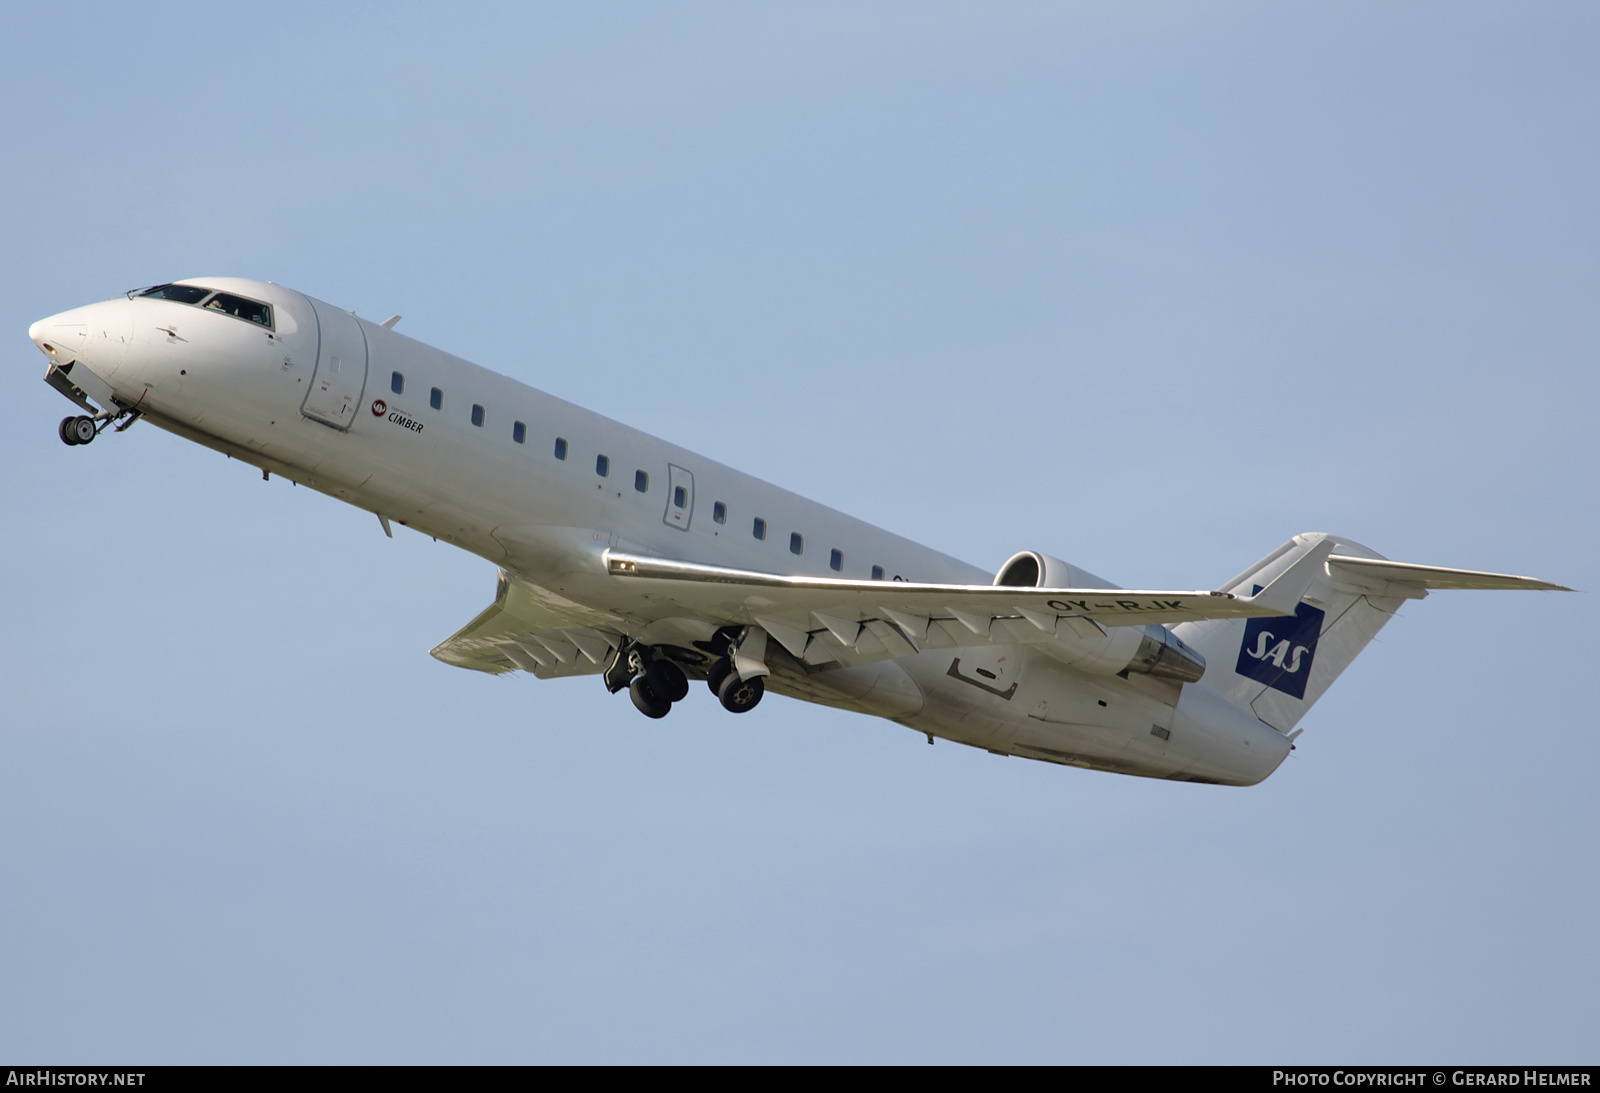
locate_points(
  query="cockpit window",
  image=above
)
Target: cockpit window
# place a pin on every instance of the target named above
(183, 294)
(241, 308)
(225, 302)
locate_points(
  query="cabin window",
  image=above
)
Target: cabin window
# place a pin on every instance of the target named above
(397, 383)
(602, 465)
(240, 308)
(797, 543)
(759, 528)
(561, 447)
(182, 294)
(719, 513)
(680, 497)
(436, 399)
(641, 481)
(877, 572)
(477, 415)
(835, 561)
(519, 432)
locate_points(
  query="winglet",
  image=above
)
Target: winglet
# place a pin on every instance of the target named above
(1283, 594)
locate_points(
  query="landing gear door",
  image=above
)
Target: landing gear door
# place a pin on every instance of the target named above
(341, 368)
(680, 497)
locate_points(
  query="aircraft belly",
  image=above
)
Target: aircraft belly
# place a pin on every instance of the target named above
(883, 688)
(1040, 710)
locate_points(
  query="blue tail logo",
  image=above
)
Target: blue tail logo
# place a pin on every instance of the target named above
(1280, 651)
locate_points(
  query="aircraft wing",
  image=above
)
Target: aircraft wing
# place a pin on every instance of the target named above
(526, 628)
(821, 619)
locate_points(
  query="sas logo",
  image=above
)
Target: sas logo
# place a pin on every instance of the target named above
(379, 407)
(1279, 651)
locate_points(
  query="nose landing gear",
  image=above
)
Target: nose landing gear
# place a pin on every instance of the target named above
(83, 428)
(78, 430)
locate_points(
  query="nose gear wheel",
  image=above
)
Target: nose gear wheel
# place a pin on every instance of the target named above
(78, 430)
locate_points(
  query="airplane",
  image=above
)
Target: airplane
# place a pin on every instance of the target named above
(628, 558)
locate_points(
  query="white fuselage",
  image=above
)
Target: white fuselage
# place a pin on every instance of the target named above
(481, 470)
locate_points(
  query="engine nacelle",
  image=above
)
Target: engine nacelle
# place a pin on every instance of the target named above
(1086, 645)
(1031, 569)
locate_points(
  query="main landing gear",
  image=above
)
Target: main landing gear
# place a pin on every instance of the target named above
(656, 688)
(655, 682)
(736, 695)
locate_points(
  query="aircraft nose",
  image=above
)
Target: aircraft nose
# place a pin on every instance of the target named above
(60, 336)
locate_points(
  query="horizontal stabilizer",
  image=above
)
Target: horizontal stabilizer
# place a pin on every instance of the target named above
(1432, 576)
(1279, 668)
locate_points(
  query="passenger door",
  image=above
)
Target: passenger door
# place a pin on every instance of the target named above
(680, 497)
(341, 374)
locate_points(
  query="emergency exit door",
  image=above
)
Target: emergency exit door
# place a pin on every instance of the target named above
(680, 497)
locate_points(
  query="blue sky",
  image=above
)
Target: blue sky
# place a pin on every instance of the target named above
(1150, 287)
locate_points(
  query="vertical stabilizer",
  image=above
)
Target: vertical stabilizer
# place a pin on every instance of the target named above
(1279, 667)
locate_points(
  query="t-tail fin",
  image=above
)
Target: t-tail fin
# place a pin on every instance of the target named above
(1279, 667)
